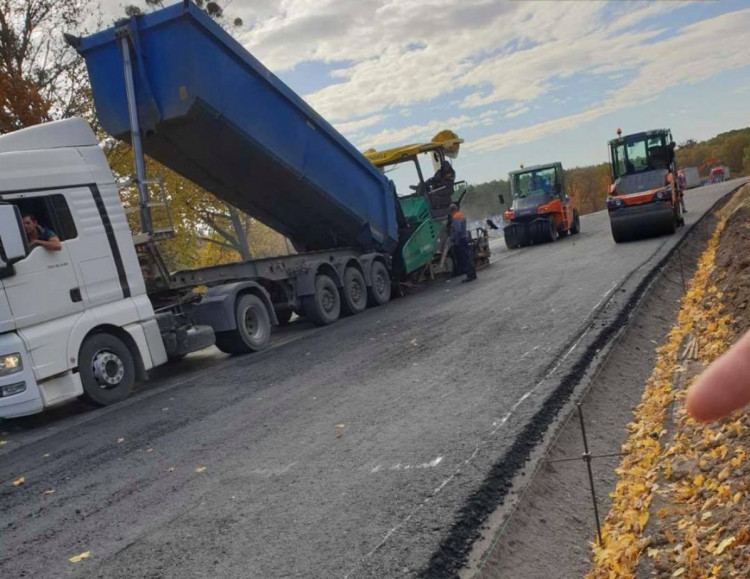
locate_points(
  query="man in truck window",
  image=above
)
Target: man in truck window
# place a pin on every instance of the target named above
(39, 235)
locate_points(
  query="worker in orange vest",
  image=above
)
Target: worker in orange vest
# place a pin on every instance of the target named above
(460, 238)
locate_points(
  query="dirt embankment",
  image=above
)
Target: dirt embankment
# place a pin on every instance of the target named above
(682, 503)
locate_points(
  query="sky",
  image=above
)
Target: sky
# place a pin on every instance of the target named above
(521, 81)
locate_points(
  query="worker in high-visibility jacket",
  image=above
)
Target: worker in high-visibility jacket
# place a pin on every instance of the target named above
(460, 238)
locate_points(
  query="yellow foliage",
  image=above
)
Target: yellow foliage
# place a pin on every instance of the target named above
(638, 470)
(79, 558)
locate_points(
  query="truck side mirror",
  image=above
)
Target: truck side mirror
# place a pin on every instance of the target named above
(15, 246)
(501, 198)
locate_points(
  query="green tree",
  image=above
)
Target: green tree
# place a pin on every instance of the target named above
(732, 150)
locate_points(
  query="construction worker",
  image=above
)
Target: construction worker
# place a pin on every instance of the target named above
(460, 238)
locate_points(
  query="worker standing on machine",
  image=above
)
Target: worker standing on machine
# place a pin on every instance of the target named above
(460, 239)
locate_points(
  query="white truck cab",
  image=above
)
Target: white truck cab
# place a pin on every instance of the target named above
(74, 322)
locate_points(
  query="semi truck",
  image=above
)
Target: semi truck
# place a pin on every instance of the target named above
(94, 317)
(540, 209)
(645, 196)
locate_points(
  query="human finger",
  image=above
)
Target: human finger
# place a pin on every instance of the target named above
(724, 386)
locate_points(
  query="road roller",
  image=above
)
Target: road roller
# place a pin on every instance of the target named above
(540, 211)
(644, 197)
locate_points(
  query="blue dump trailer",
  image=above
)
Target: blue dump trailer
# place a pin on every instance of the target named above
(177, 87)
(211, 112)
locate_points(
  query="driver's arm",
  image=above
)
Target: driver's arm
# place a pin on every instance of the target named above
(52, 244)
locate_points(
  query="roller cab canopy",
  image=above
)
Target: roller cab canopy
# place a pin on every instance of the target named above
(214, 114)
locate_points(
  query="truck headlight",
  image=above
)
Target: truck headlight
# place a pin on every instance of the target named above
(10, 364)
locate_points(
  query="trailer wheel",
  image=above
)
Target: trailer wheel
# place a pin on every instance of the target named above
(107, 369)
(253, 330)
(380, 290)
(324, 307)
(354, 292)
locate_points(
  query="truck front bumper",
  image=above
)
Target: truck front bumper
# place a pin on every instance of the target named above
(29, 399)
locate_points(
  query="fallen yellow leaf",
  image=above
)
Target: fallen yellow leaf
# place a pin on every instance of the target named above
(679, 572)
(3, 442)
(19, 481)
(49, 492)
(79, 558)
(200, 469)
(728, 542)
(652, 552)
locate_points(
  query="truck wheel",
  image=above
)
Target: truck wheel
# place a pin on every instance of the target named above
(107, 369)
(354, 293)
(324, 307)
(253, 330)
(380, 290)
(576, 227)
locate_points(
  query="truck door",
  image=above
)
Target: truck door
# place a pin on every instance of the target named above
(45, 286)
(44, 294)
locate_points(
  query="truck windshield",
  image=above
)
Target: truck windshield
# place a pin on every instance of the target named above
(539, 182)
(636, 156)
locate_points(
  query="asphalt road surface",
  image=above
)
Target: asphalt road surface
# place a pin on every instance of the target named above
(372, 448)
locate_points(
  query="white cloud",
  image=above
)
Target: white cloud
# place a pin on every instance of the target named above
(354, 127)
(682, 58)
(516, 111)
(393, 57)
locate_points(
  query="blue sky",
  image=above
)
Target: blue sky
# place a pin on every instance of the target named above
(521, 81)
